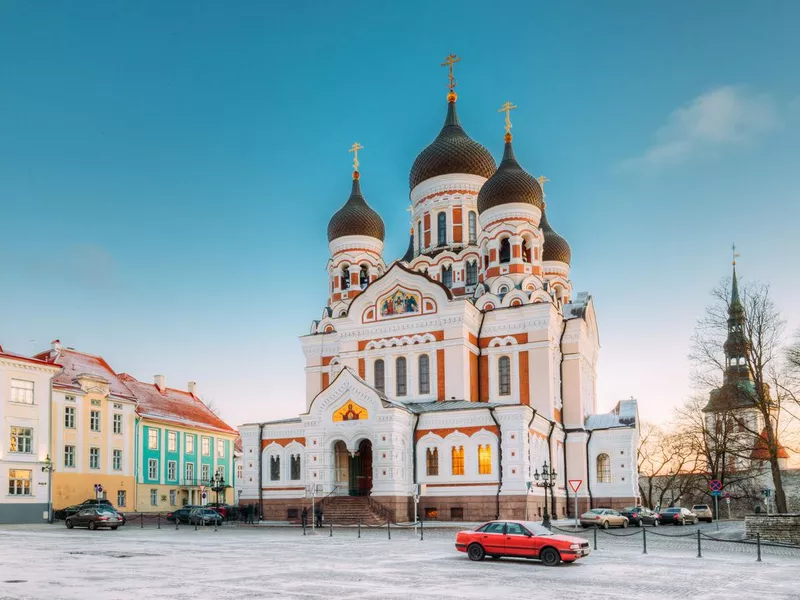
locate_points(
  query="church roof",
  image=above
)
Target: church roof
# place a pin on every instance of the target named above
(731, 396)
(453, 151)
(510, 184)
(761, 448)
(625, 414)
(356, 217)
(555, 246)
(440, 406)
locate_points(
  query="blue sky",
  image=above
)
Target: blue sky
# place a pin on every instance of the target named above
(167, 170)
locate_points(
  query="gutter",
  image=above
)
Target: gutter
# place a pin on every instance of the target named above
(550, 457)
(499, 462)
(414, 455)
(561, 395)
(588, 471)
(260, 472)
(480, 382)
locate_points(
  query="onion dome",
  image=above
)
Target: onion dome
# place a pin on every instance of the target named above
(555, 246)
(453, 151)
(355, 217)
(409, 255)
(510, 184)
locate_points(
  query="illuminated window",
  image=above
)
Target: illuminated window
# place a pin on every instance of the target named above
(485, 460)
(504, 375)
(21, 440)
(424, 374)
(379, 375)
(457, 455)
(206, 446)
(19, 482)
(603, 468)
(432, 461)
(220, 448)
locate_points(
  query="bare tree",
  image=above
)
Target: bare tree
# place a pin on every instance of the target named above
(664, 458)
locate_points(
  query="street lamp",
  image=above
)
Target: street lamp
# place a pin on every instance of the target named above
(48, 468)
(219, 484)
(548, 481)
(671, 489)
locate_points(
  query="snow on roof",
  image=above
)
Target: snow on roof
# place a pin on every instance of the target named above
(76, 364)
(174, 406)
(577, 308)
(625, 414)
(15, 356)
(438, 406)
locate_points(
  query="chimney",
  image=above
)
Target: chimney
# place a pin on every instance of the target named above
(55, 345)
(159, 380)
(193, 388)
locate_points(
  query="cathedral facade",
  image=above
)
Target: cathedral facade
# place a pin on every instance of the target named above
(457, 375)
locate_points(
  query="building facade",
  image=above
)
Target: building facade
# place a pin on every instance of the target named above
(25, 387)
(459, 371)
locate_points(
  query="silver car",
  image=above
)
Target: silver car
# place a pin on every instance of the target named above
(603, 517)
(703, 512)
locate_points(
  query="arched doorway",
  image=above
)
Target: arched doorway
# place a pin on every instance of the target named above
(341, 466)
(360, 471)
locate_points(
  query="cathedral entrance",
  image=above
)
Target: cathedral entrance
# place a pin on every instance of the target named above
(360, 476)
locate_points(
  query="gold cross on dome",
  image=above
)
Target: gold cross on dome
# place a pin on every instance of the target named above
(507, 108)
(735, 253)
(354, 149)
(542, 179)
(449, 62)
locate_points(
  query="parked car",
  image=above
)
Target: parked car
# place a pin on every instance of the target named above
(226, 510)
(603, 517)
(678, 516)
(91, 503)
(94, 518)
(703, 512)
(204, 516)
(640, 515)
(181, 515)
(522, 539)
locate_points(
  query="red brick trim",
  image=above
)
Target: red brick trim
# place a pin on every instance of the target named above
(283, 441)
(468, 431)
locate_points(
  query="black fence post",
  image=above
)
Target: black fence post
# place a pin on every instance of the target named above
(176, 523)
(644, 540)
(758, 546)
(141, 520)
(331, 530)
(304, 527)
(389, 528)
(195, 524)
(699, 552)
(215, 523)
(421, 531)
(158, 516)
(595, 537)
(359, 529)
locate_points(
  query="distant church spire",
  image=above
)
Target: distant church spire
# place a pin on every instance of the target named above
(736, 346)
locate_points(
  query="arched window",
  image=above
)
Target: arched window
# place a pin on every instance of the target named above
(457, 456)
(345, 277)
(379, 372)
(432, 461)
(472, 224)
(603, 468)
(504, 375)
(472, 273)
(447, 276)
(424, 367)
(400, 376)
(505, 250)
(441, 228)
(485, 460)
(419, 236)
(295, 467)
(526, 251)
(274, 468)
(364, 275)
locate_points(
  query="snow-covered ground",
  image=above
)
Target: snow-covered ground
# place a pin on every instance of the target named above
(244, 562)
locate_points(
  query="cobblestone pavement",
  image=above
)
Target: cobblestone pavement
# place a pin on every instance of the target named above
(260, 562)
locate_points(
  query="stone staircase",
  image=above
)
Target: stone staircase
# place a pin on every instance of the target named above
(349, 510)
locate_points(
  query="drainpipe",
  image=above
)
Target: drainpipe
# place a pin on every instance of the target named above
(260, 472)
(499, 462)
(527, 490)
(137, 448)
(480, 383)
(550, 458)
(52, 456)
(566, 478)
(414, 453)
(588, 472)
(561, 395)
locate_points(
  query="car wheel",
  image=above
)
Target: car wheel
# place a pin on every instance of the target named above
(114, 527)
(476, 552)
(92, 526)
(605, 524)
(69, 524)
(550, 557)
(625, 524)
(656, 522)
(683, 522)
(639, 523)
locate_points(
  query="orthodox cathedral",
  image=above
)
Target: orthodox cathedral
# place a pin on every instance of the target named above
(459, 380)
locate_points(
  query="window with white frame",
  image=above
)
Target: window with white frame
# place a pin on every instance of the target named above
(189, 443)
(432, 462)
(221, 471)
(400, 376)
(457, 460)
(21, 391)
(485, 460)
(172, 441)
(424, 372)
(154, 497)
(152, 469)
(69, 417)
(121, 498)
(240, 471)
(220, 448)
(206, 446)
(274, 468)
(69, 456)
(603, 468)
(19, 482)
(172, 470)
(94, 458)
(205, 473)
(116, 460)
(189, 473)
(504, 376)
(94, 420)
(472, 226)
(379, 375)
(117, 423)
(21, 440)
(173, 498)
(152, 439)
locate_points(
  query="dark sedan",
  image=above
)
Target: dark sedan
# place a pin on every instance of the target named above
(94, 518)
(639, 515)
(678, 516)
(181, 515)
(204, 516)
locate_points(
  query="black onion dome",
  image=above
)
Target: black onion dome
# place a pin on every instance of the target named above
(555, 246)
(510, 184)
(453, 151)
(355, 218)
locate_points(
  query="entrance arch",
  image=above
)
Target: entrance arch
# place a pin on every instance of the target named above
(360, 483)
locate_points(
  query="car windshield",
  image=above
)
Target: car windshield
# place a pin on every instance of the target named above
(629, 509)
(700, 507)
(106, 511)
(536, 528)
(670, 510)
(597, 511)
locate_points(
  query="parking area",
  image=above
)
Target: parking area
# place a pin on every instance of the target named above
(263, 562)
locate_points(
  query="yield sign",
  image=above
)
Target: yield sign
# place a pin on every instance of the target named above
(575, 484)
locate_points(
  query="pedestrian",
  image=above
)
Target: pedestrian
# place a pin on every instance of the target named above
(250, 511)
(304, 517)
(318, 515)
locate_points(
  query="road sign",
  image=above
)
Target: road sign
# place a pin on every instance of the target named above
(728, 499)
(203, 495)
(727, 495)
(716, 493)
(575, 484)
(715, 485)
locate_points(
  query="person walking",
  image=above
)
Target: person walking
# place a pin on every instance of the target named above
(318, 515)
(304, 517)
(250, 512)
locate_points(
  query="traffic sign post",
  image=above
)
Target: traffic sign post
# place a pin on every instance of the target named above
(575, 485)
(715, 485)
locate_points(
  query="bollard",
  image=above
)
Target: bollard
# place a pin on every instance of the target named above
(304, 527)
(158, 516)
(195, 524)
(176, 523)
(595, 537)
(644, 540)
(215, 523)
(331, 530)
(421, 531)
(389, 528)
(758, 546)
(699, 553)
(141, 521)
(359, 529)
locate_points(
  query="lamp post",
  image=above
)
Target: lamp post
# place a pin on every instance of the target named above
(48, 468)
(219, 484)
(671, 489)
(548, 481)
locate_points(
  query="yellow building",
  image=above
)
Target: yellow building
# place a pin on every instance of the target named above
(93, 431)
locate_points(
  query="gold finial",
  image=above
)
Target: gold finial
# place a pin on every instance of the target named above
(507, 108)
(735, 254)
(449, 62)
(542, 179)
(354, 149)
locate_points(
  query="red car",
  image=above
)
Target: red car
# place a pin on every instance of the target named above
(522, 539)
